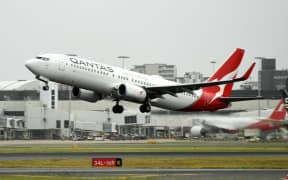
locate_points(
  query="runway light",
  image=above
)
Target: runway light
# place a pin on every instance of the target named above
(75, 147)
(152, 142)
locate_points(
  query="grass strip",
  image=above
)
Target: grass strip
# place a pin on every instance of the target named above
(28, 177)
(35, 177)
(201, 162)
(142, 148)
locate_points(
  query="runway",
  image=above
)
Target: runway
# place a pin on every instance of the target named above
(143, 173)
(171, 173)
(85, 155)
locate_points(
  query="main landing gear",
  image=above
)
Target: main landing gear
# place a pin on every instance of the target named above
(146, 107)
(117, 109)
(46, 87)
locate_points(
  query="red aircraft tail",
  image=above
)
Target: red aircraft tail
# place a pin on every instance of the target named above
(228, 71)
(278, 115)
(279, 112)
(230, 66)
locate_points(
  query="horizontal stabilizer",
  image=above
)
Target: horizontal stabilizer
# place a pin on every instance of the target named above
(235, 99)
(278, 122)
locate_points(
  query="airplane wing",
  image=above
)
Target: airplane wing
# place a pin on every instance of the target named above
(173, 89)
(235, 99)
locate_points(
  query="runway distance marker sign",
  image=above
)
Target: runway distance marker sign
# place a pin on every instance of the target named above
(106, 162)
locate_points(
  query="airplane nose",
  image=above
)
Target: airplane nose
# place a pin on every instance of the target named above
(30, 64)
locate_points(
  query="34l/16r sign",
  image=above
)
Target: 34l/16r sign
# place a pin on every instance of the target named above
(106, 162)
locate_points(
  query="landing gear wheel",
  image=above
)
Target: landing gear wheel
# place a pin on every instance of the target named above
(148, 108)
(117, 109)
(45, 88)
(120, 109)
(145, 108)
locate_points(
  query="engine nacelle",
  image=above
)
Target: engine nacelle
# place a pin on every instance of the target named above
(86, 95)
(129, 92)
(198, 131)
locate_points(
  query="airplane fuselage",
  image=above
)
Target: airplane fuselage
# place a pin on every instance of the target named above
(101, 78)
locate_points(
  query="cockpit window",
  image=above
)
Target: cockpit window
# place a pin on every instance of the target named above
(43, 58)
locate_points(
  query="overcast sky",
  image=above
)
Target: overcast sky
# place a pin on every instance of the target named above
(187, 33)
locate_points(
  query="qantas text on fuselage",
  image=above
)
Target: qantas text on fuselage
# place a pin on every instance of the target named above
(91, 65)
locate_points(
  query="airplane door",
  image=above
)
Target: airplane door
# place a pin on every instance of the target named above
(61, 65)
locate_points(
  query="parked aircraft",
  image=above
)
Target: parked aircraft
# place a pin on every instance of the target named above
(93, 81)
(275, 121)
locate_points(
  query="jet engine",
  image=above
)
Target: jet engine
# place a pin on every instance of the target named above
(86, 95)
(129, 92)
(198, 131)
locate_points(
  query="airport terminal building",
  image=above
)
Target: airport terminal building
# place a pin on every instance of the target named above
(28, 112)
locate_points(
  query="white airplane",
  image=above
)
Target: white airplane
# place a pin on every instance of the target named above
(231, 124)
(92, 81)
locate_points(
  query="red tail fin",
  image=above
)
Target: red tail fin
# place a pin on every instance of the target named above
(279, 112)
(227, 72)
(229, 66)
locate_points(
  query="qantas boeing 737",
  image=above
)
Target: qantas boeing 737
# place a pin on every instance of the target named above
(93, 81)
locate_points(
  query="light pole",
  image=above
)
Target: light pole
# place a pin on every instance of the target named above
(123, 58)
(259, 84)
(213, 66)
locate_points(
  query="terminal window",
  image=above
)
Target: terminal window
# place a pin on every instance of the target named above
(58, 123)
(53, 99)
(147, 119)
(66, 123)
(130, 119)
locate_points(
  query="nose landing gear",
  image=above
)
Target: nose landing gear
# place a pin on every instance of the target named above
(46, 87)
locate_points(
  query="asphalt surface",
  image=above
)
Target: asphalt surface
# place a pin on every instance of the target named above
(144, 173)
(85, 155)
(171, 173)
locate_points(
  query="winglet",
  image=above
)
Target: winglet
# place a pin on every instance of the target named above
(248, 72)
